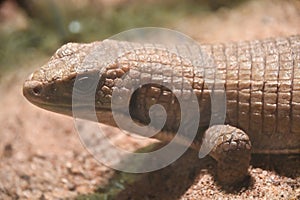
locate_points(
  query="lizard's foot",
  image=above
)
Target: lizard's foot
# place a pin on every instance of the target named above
(232, 152)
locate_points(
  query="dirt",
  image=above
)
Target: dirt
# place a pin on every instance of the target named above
(42, 156)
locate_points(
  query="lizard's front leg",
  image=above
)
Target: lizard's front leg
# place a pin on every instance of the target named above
(232, 151)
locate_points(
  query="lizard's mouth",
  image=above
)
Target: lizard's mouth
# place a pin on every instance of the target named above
(44, 96)
(33, 92)
(47, 97)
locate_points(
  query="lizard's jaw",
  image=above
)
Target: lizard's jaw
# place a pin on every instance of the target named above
(58, 99)
(34, 92)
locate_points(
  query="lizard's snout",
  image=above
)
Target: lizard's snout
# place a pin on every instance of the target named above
(32, 90)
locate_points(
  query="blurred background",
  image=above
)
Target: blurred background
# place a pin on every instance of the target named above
(31, 29)
(41, 156)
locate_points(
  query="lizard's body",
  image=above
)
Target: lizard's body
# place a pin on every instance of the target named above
(261, 80)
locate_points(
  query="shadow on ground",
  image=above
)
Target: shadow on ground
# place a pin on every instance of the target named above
(189, 171)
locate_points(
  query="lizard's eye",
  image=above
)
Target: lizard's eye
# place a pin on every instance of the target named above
(86, 83)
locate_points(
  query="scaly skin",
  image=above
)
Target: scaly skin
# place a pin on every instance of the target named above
(261, 80)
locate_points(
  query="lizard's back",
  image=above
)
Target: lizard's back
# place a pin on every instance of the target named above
(262, 83)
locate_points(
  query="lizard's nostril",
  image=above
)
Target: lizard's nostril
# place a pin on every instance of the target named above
(37, 90)
(32, 89)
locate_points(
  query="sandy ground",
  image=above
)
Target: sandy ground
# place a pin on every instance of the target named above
(42, 156)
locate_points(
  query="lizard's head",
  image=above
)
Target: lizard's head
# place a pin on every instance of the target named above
(51, 86)
(98, 71)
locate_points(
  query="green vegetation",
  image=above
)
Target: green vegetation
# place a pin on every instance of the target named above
(49, 26)
(53, 23)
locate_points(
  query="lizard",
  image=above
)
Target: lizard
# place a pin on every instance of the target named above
(261, 80)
